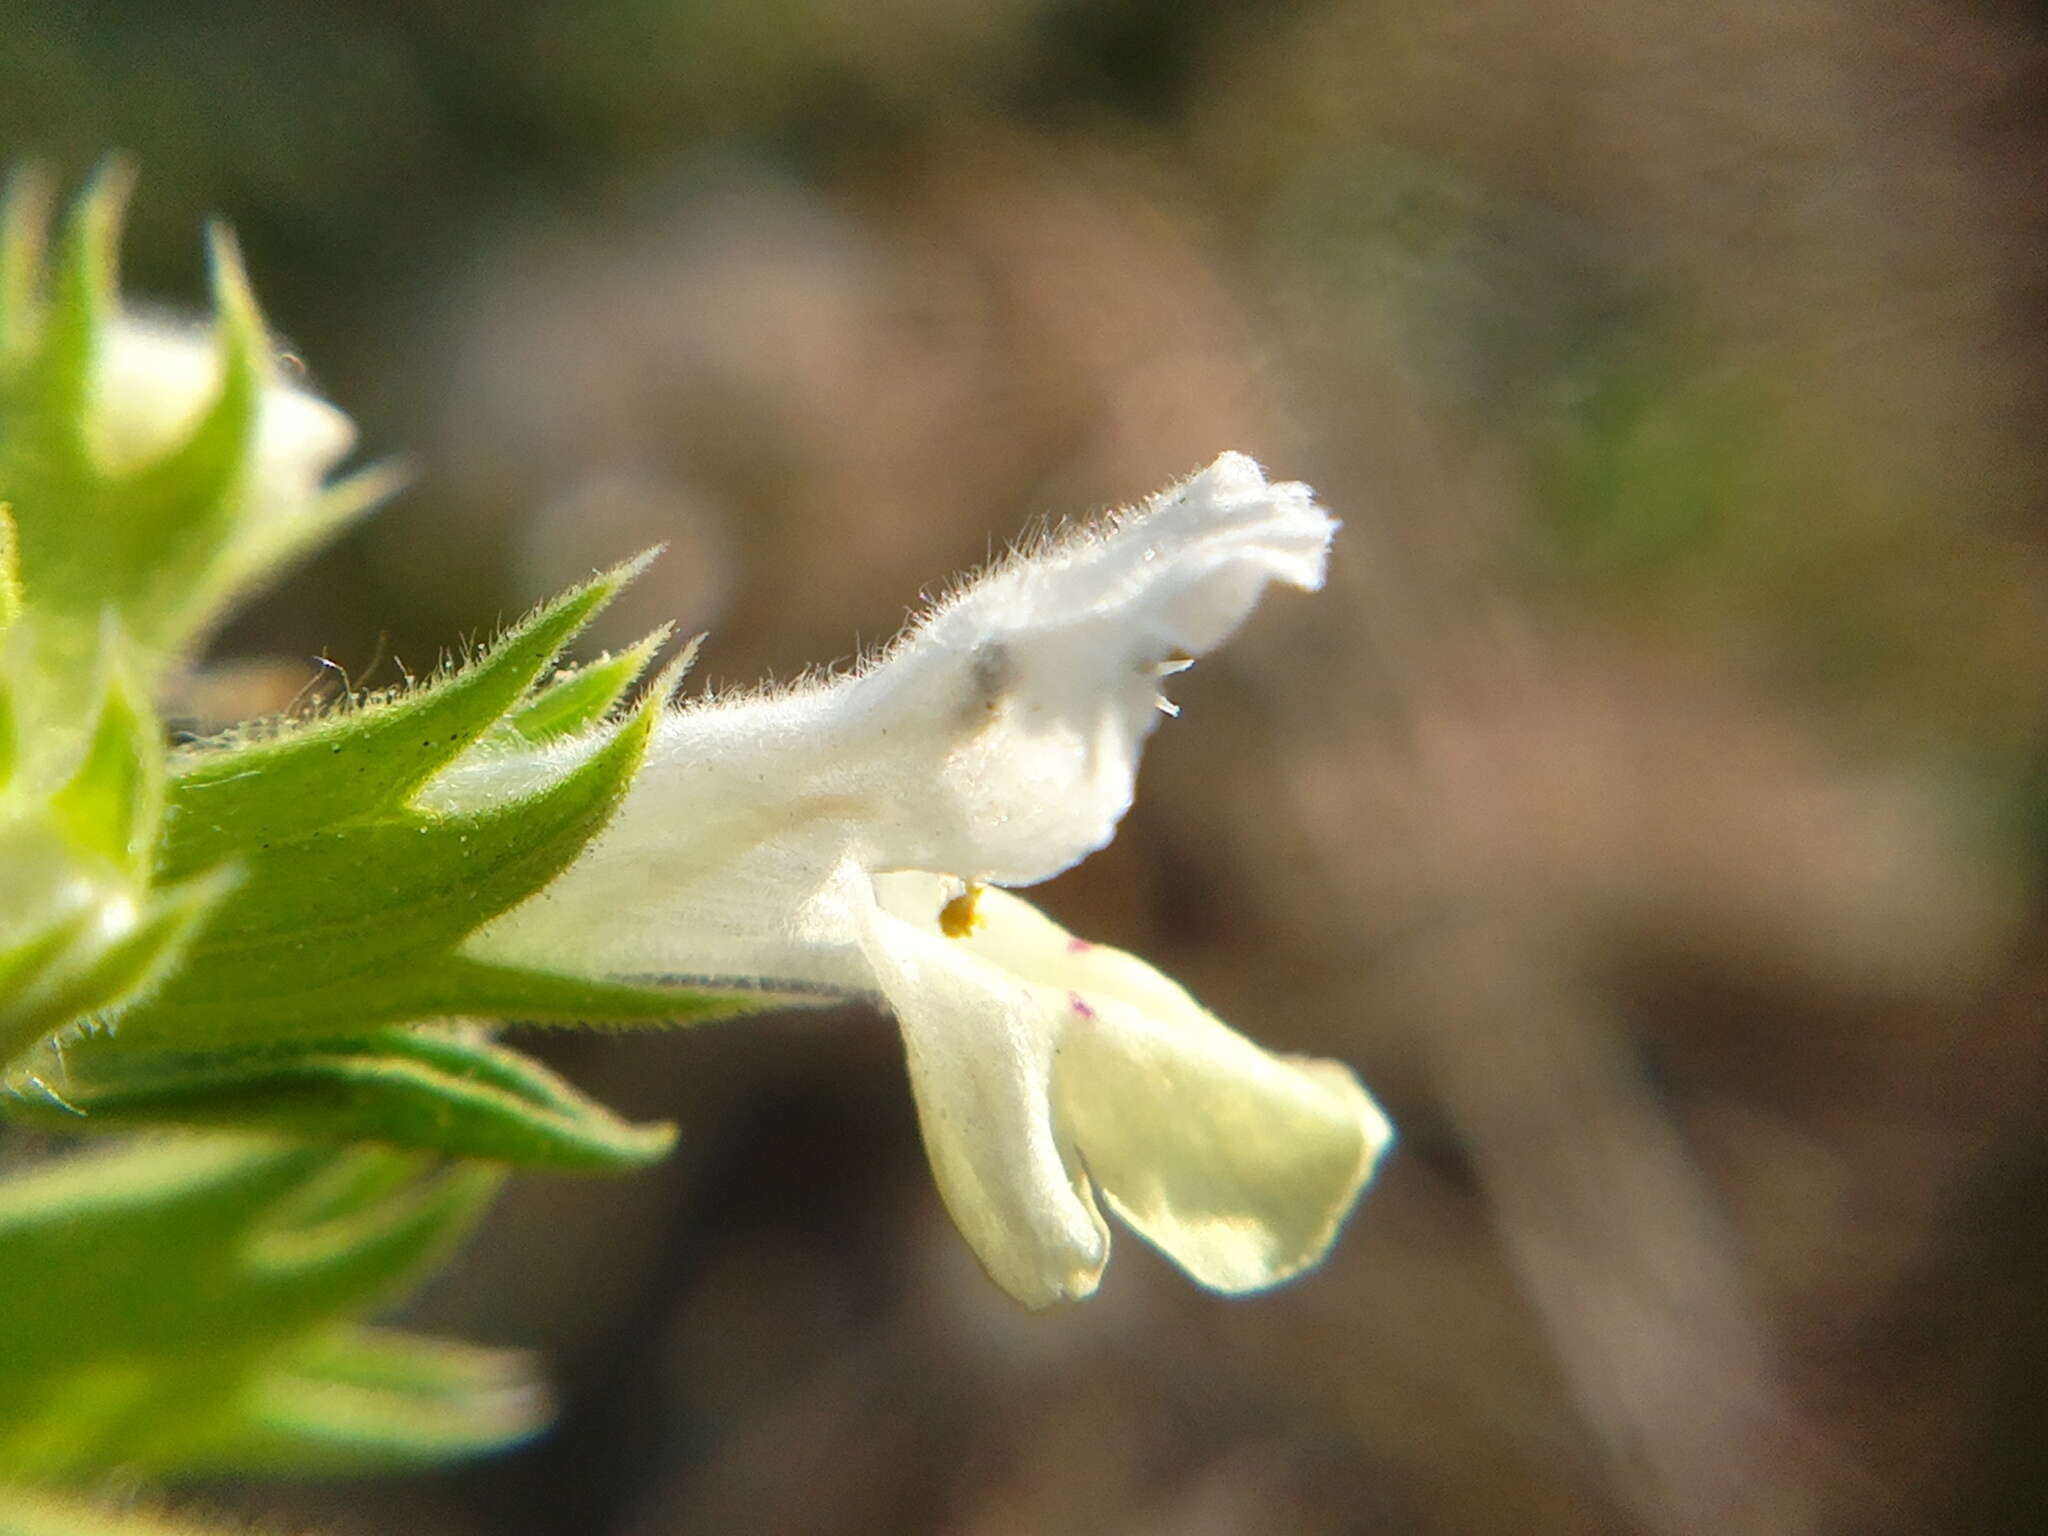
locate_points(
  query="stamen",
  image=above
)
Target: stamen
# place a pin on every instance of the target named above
(962, 915)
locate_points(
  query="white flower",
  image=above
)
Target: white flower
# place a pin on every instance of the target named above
(153, 382)
(839, 838)
(153, 379)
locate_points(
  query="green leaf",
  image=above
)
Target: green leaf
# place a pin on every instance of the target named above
(453, 1093)
(147, 1286)
(228, 801)
(173, 522)
(172, 1245)
(10, 569)
(84, 300)
(365, 1399)
(81, 929)
(10, 737)
(25, 204)
(110, 807)
(575, 698)
(25, 961)
(328, 934)
(109, 950)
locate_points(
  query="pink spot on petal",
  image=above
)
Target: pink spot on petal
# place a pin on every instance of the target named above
(1078, 946)
(1080, 1005)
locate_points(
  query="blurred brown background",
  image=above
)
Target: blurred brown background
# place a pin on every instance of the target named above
(1653, 809)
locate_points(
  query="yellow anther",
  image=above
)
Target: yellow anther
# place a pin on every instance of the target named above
(962, 915)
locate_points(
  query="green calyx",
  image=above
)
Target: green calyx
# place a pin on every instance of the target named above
(242, 963)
